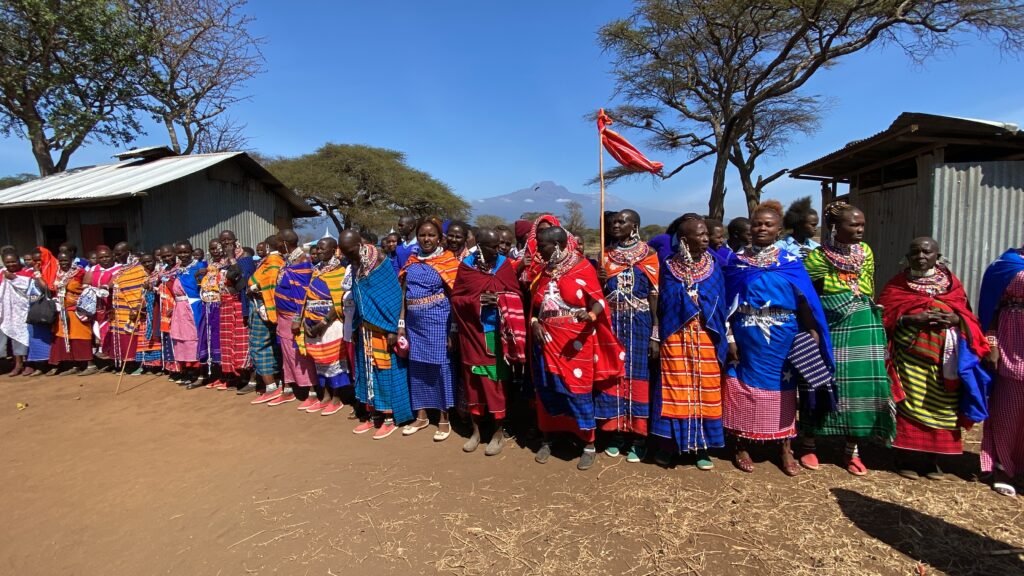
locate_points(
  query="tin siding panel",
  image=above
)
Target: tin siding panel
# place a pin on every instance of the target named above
(978, 214)
(205, 207)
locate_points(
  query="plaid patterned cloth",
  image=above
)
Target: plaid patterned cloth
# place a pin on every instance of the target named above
(234, 336)
(264, 351)
(816, 389)
(1003, 442)
(865, 407)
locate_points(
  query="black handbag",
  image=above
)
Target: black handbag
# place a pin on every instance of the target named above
(42, 311)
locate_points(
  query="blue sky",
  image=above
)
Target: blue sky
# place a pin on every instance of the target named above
(490, 97)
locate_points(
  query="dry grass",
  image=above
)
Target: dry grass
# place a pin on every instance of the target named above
(643, 520)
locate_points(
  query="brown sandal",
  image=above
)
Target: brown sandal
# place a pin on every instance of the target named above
(744, 463)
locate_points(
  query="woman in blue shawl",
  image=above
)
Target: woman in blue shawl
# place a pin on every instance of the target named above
(1001, 312)
(779, 340)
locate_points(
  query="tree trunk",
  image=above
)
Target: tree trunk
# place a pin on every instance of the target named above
(716, 204)
(41, 150)
(172, 134)
(750, 191)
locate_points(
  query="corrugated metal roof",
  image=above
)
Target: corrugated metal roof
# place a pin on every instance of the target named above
(131, 178)
(910, 131)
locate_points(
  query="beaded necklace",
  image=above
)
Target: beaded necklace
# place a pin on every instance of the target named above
(559, 268)
(688, 271)
(629, 255)
(931, 282)
(845, 257)
(760, 256)
(369, 257)
(437, 252)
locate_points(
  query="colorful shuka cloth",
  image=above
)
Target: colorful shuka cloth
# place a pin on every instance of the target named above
(262, 285)
(166, 314)
(187, 314)
(686, 399)
(290, 295)
(428, 279)
(149, 349)
(381, 376)
(579, 355)
(764, 290)
(936, 373)
(1001, 311)
(845, 275)
(325, 293)
(128, 286)
(100, 281)
(486, 371)
(632, 277)
(210, 288)
(73, 342)
(234, 332)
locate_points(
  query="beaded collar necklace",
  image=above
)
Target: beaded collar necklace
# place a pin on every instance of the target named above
(437, 252)
(845, 257)
(760, 256)
(931, 282)
(567, 262)
(624, 255)
(688, 271)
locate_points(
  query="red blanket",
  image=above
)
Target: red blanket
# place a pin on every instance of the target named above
(576, 343)
(470, 283)
(899, 299)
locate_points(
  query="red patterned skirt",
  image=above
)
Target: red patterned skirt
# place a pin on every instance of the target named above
(234, 336)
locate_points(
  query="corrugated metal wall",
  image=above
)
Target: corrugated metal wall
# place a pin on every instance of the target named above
(891, 225)
(199, 208)
(978, 214)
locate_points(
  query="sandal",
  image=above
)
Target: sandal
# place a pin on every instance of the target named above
(810, 461)
(411, 429)
(856, 467)
(1004, 489)
(441, 436)
(744, 463)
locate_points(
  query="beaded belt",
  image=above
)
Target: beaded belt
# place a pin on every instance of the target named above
(418, 302)
(766, 311)
(629, 304)
(1012, 304)
(544, 315)
(181, 298)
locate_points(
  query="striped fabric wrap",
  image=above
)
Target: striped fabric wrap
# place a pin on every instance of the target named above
(816, 389)
(291, 287)
(929, 400)
(127, 297)
(264, 283)
(323, 293)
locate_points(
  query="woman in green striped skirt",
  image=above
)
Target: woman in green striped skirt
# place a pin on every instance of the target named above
(843, 271)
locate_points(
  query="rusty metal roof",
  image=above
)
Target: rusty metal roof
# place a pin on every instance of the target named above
(134, 177)
(909, 132)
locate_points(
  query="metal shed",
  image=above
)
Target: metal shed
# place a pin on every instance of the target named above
(150, 197)
(958, 180)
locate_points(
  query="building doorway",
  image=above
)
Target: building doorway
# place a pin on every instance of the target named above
(107, 234)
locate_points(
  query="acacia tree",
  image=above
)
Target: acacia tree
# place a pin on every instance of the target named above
(363, 186)
(203, 53)
(574, 221)
(68, 74)
(489, 221)
(710, 77)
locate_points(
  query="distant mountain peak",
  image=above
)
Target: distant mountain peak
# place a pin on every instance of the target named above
(551, 197)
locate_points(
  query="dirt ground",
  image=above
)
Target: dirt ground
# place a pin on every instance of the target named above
(159, 480)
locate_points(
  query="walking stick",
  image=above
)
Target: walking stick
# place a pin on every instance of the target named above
(124, 364)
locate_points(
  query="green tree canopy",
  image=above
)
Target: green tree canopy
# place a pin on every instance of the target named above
(368, 187)
(68, 73)
(15, 179)
(490, 221)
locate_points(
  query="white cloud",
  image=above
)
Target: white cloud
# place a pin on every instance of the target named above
(529, 200)
(562, 200)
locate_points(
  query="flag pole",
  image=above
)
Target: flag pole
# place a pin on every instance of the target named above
(600, 173)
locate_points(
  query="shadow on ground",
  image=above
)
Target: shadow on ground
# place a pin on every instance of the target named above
(947, 547)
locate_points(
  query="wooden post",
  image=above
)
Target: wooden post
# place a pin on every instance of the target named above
(600, 172)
